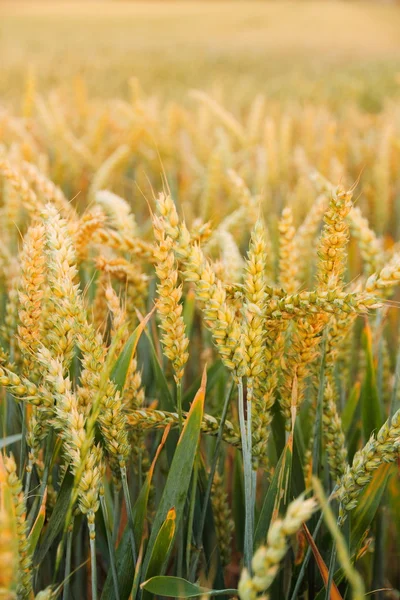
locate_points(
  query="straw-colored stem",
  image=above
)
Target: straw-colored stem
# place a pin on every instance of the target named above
(248, 486)
(179, 404)
(28, 478)
(93, 563)
(116, 513)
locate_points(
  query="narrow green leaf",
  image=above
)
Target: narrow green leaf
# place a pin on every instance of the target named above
(161, 549)
(276, 491)
(213, 375)
(362, 516)
(178, 481)
(140, 508)
(323, 569)
(317, 443)
(37, 527)
(175, 587)
(297, 484)
(238, 498)
(121, 367)
(166, 399)
(57, 518)
(350, 407)
(278, 429)
(371, 406)
(367, 506)
(188, 311)
(125, 570)
(10, 439)
(208, 543)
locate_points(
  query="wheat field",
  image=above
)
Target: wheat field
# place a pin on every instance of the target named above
(199, 322)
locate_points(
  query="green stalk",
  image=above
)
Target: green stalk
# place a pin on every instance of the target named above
(378, 568)
(198, 542)
(317, 434)
(68, 554)
(93, 562)
(179, 404)
(129, 511)
(47, 460)
(248, 487)
(249, 446)
(140, 469)
(331, 572)
(116, 514)
(394, 401)
(23, 443)
(110, 546)
(180, 532)
(28, 479)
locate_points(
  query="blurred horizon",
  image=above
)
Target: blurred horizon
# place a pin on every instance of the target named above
(303, 50)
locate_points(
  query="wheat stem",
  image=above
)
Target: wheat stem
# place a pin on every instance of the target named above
(129, 511)
(68, 555)
(111, 551)
(248, 486)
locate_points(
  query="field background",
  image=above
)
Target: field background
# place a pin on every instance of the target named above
(308, 50)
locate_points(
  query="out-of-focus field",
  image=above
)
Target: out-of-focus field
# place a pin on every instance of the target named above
(334, 51)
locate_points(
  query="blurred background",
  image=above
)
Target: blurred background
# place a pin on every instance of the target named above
(319, 51)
